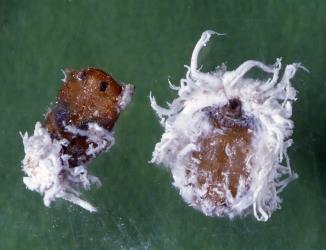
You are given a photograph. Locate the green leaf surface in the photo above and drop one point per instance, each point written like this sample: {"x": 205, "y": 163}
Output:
{"x": 146, "y": 43}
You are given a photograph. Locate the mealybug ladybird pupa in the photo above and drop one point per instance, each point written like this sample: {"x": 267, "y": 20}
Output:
{"x": 226, "y": 137}
{"x": 76, "y": 130}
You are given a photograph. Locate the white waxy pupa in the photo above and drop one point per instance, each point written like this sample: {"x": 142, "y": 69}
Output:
{"x": 226, "y": 137}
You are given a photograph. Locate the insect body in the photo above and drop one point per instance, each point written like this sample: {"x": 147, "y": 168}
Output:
{"x": 76, "y": 130}
{"x": 226, "y": 137}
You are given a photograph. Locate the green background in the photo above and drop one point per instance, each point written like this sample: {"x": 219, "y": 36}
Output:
{"x": 146, "y": 43}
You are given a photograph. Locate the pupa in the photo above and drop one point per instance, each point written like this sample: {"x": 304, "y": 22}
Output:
{"x": 226, "y": 137}
{"x": 76, "y": 130}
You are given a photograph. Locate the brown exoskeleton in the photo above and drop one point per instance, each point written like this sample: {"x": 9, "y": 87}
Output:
{"x": 87, "y": 96}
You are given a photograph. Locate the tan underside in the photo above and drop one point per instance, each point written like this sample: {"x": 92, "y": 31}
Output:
{"x": 222, "y": 155}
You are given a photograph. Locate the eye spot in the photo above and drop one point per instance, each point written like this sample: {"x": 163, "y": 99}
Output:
{"x": 103, "y": 86}
{"x": 81, "y": 75}
{"x": 234, "y": 103}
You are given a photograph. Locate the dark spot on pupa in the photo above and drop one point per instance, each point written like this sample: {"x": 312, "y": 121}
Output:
{"x": 82, "y": 75}
{"x": 229, "y": 115}
{"x": 103, "y": 86}
{"x": 234, "y": 103}
{"x": 61, "y": 114}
